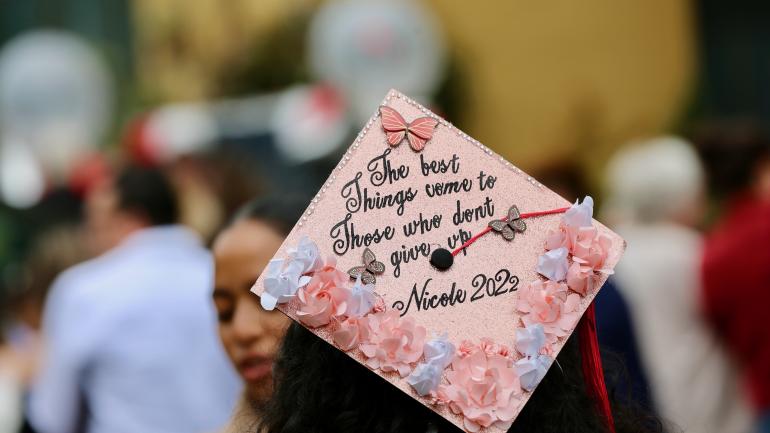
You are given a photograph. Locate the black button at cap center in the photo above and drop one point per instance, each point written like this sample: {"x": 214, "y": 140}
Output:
{"x": 442, "y": 259}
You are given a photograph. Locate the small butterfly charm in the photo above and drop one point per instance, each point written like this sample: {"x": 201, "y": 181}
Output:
{"x": 366, "y": 272}
{"x": 509, "y": 228}
{"x": 419, "y": 132}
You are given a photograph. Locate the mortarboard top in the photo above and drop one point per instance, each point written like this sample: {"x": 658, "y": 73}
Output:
{"x": 375, "y": 268}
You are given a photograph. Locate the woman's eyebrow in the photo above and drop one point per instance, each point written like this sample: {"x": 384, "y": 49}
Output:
{"x": 221, "y": 293}
{"x": 249, "y": 285}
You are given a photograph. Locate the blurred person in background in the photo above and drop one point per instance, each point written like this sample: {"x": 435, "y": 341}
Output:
{"x": 54, "y": 250}
{"x": 251, "y": 335}
{"x": 130, "y": 339}
{"x": 736, "y": 262}
{"x": 11, "y": 389}
{"x": 654, "y": 200}
{"x": 46, "y": 239}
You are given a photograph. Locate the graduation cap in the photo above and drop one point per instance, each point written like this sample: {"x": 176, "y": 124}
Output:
{"x": 445, "y": 269}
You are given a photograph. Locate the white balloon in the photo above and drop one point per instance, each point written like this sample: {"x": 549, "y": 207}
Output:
{"x": 55, "y": 96}
{"x": 308, "y": 123}
{"x": 365, "y": 48}
{"x": 181, "y": 129}
{"x": 22, "y": 182}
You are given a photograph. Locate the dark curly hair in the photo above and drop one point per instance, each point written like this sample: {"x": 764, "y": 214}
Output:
{"x": 319, "y": 389}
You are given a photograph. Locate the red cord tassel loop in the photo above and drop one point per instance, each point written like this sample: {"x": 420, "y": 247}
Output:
{"x": 592, "y": 366}
{"x": 487, "y": 229}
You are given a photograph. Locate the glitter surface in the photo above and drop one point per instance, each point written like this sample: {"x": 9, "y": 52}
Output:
{"x": 491, "y": 317}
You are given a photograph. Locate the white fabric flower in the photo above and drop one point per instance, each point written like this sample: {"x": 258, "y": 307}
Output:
{"x": 282, "y": 280}
{"x": 439, "y": 351}
{"x": 438, "y": 354}
{"x": 532, "y": 370}
{"x": 553, "y": 264}
{"x": 532, "y": 367}
{"x": 361, "y": 300}
{"x": 306, "y": 253}
{"x": 580, "y": 214}
{"x": 425, "y": 378}
{"x": 530, "y": 339}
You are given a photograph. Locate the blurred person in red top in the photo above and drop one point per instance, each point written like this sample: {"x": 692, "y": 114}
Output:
{"x": 736, "y": 261}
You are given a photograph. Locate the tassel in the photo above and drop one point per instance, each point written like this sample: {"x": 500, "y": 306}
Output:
{"x": 592, "y": 366}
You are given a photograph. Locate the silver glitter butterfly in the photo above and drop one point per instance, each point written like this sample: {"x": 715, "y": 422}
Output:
{"x": 509, "y": 228}
{"x": 366, "y": 272}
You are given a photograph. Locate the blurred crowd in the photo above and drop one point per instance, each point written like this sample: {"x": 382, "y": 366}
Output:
{"x": 130, "y": 226}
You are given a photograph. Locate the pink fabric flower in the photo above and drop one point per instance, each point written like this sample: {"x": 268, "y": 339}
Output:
{"x": 351, "y": 333}
{"x": 542, "y": 299}
{"x": 437, "y": 398}
{"x": 581, "y": 278}
{"x": 324, "y": 297}
{"x": 482, "y": 387}
{"x": 569, "y": 237}
{"x": 577, "y": 218}
{"x": 556, "y": 239}
{"x": 491, "y": 348}
{"x": 585, "y": 244}
{"x": 551, "y": 305}
{"x": 466, "y": 348}
{"x": 583, "y": 241}
{"x": 379, "y": 305}
{"x": 593, "y": 252}
{"x": 504, "y": 350}
{"x": 394, "y": 344}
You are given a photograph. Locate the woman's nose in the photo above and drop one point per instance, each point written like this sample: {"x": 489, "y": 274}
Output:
{"x": 247, "y": 325}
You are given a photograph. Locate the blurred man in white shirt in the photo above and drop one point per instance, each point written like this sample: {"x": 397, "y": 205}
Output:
{"x": 654, "y": 201}
{"x": 131, "y": 343}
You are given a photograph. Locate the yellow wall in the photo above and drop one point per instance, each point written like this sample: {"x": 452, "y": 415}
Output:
{"x": 570, "y": 77}
{"x": 183, "y": 45}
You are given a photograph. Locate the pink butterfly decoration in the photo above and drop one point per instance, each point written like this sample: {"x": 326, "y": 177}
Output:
{"x": 418, "y": 132}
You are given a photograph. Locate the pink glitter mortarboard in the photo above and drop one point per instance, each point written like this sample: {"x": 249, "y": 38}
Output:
{"x": 412, "y": 183}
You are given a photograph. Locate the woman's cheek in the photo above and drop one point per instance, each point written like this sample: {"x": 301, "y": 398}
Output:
{"x": 225, "y": 335}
